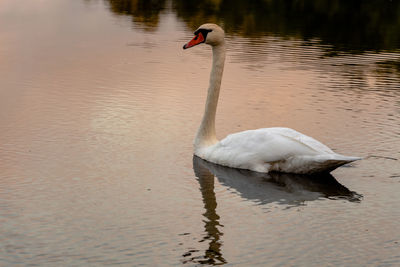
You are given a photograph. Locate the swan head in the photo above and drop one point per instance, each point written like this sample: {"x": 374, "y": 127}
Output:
{"x": 208, "y": 33}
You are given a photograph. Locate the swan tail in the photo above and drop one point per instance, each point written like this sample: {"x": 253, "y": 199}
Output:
{"x": 328, "y": 163}
{"x": 312, "y": 164}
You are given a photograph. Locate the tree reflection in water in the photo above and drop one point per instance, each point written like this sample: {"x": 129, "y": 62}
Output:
{"x": 144, "y": 12}
{"x": 262, "y": 188}
{"x": 354, "y": 26}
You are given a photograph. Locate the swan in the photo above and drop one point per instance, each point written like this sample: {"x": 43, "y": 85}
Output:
{"x": 261, "y": 150}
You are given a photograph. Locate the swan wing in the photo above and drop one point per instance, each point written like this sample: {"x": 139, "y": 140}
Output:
{"x": 273, "y": 144}
{"x": 301, "y": 139}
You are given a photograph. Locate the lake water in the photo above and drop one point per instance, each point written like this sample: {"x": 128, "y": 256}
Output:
{"x": 99, "y": 106}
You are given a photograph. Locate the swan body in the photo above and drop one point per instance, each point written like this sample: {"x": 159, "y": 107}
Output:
{"x": 261, "y": 150}
{"x": 273, "y": 149}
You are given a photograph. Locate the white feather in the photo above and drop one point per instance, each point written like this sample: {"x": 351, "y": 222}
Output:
{"x": 273, "y": 149}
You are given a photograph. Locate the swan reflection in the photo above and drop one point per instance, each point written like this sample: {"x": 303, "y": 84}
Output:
{"x": 212, "y": 255}
{"x": 281, "y": 188}
{"x": 261, "y": 188}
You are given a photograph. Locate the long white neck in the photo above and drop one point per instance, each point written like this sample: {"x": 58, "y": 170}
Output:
{"x": 206, "y": 134}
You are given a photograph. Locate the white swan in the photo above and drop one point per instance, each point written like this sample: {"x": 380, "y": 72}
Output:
{"x": 261, "y": 150}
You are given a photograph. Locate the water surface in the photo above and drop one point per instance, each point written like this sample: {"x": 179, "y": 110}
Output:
{"x": 99, "y": 105}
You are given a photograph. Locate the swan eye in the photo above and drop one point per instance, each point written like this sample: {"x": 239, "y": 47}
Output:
{"x": 204, "y": 31}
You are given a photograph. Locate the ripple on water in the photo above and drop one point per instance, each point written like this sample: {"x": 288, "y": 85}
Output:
{"x": 96, "y": 146}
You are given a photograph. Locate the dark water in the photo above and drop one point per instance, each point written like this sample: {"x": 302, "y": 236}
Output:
{"x": 99, "y": 105}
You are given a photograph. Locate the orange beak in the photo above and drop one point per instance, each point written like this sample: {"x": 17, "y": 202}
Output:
{"x": 197, "y": 39}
